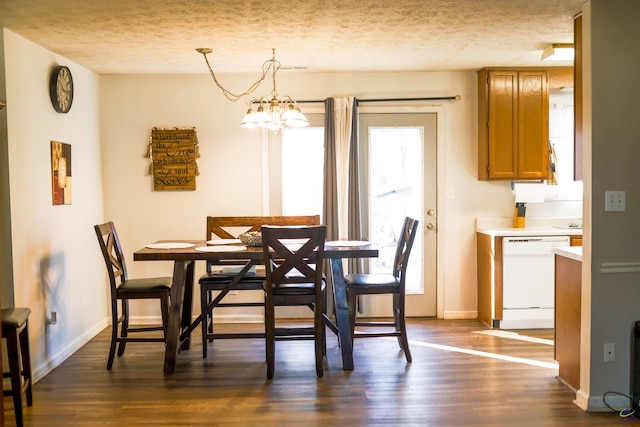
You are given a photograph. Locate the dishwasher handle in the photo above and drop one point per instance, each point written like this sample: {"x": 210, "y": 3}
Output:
{"x": 512, "y": 240}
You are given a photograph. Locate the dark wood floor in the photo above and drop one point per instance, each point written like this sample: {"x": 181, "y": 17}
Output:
{"x": 446, "y": 385}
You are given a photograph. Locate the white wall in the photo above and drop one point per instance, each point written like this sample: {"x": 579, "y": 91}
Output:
{"x": 55, "y": 254}
{"x": 6, "y": 260}
{"x": 610, "y": 300}
{"x": 230, "y": 174}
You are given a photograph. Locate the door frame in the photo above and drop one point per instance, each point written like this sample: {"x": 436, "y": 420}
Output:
{"x": 440, "y": 169}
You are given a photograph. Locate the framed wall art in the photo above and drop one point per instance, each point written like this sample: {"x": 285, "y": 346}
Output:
{"x": 61, "y": 173}
{"x": 173, "y": 154}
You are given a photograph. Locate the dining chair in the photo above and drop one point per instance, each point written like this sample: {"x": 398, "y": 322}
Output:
{"x": 394, "y": 284}
{"x": 15, "y": 329}
{"x": 123, "y": 289}
{"x": 293, "y": 258}
{"x": 218, "y": 275}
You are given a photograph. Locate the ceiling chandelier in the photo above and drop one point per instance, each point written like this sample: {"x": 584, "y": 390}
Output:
{"x": 272, "y": 114}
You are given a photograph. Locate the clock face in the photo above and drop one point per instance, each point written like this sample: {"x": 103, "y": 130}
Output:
{"x": 61, "y": 89}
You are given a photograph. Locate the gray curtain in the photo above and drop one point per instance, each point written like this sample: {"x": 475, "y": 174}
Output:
{"x": 330, "y": 191}
{"x": 354, "y": 232}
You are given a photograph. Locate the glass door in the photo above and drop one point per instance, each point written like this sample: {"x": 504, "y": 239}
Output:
{"x": 398, "y": 167}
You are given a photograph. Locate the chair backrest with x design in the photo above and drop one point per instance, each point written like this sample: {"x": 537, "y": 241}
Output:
{"x": 112, "y": 253}
{"x": 403, "y": 249}
{"x": 294, "y": 253}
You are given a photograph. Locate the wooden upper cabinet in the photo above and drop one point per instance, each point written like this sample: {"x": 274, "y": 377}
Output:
{"x": 513, "y": 124}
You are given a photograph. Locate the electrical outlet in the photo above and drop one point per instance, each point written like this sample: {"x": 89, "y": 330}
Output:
{"x": 614, "y": 201}
{"x": 53, "y": 319}
{"x": 610, "y": 352}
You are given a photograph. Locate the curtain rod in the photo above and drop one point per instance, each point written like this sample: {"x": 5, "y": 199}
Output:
{"x": 433, "y": 98}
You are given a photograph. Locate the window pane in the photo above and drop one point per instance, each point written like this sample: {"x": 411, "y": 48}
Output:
{"x": 302, "y": 170}
{"x": 396, "y": 191}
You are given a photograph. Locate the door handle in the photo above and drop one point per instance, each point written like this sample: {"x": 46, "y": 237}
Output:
{"x": 430, "y": 226}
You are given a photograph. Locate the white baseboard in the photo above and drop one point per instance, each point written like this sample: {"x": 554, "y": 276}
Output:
{"x": 52, "y": 362}
{"x": 242, "y": 318}
{"x": 596, "y": 403}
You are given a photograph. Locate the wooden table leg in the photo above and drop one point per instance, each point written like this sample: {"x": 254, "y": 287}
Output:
{"x": 187, "y": 306}
{"x": 175, "y": 316}
{"x": 342, "y": 313}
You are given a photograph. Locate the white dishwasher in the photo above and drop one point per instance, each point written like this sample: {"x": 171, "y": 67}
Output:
{"x": 528, "y": 267}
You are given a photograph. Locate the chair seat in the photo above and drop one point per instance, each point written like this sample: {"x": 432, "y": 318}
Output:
{"x": 15, "y": 317}
{"x": 372, "y": 281}
{"x": 151, "y": 285}
{"x": 217, "y": 282}
{"x": 295, "y": 289}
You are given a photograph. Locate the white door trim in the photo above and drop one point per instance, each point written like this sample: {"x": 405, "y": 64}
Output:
{"x": 439, "y": 110}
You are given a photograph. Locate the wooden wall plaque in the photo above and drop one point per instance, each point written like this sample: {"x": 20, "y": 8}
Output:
{"x": 173, "y": 154}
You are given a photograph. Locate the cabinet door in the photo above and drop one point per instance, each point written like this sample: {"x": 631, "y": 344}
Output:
{"x": 502, "y": 124}
{"x": 533, "y": 125}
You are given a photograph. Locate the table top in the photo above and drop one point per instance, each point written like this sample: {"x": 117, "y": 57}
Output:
{"x": 255, "y": 253}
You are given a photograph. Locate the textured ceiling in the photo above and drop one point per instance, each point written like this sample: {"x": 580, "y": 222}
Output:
{"x": 160, "y": 36}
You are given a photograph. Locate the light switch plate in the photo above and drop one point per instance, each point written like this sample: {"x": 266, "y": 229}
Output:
{"x": 614, "y": 201}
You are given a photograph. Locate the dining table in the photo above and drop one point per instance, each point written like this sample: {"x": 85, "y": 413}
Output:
{"x": 185, "y": 253}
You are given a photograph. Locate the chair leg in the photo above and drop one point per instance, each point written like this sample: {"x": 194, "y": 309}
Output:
{"x": 396, "y": 318}
{"x": 114, "y": 334}
{"x": 26, "y": 363}
{"x": 351, "y": 302}
{"x": 13, "y": 353}
{"x": 124, "y": 332}
{"x": 320, "y": 342}
{"x": 210, "y": 314}
{"x": 324, "y": 314}
{"x": 402, "y": 326}
{"x": 204, "y": 301}
{"x": 270, "y": 332}
{"x": 164, "y": 312}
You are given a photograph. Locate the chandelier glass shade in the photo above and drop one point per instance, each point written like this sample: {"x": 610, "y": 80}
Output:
{"x": 273, "y": 114}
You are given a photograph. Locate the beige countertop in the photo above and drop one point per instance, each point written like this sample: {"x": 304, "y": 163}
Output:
{"x": 571, "y": 252}
{"x": 503, "y": 227}
{"x": 530, "y": 231}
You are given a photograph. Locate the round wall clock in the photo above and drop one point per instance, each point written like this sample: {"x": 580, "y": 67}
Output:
{"x": 61, "y": 89}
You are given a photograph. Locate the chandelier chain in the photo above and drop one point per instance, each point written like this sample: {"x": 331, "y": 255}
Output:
{"x": 276, "y": 67}
{"x": 269, "y": 64}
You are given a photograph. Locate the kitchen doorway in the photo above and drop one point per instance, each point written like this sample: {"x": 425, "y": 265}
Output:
{"x": 398, "y": 176}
